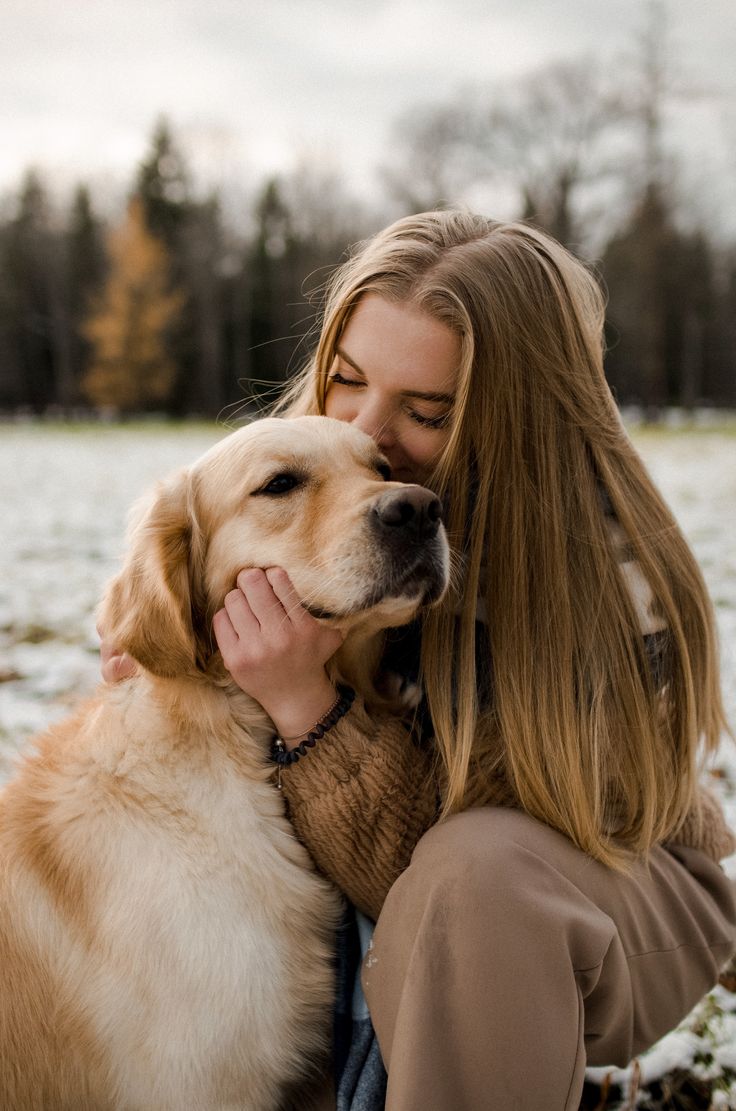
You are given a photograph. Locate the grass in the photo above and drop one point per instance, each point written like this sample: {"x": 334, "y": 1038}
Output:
{"x": 674, "y": 422}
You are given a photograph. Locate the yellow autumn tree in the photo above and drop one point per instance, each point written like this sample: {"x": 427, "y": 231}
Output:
{"x": 130, "y": 367}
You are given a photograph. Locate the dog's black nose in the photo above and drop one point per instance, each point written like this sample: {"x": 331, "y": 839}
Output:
{"x": 414, "y": 511}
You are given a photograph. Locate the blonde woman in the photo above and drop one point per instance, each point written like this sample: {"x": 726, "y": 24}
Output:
{"x": 533, "y": 844}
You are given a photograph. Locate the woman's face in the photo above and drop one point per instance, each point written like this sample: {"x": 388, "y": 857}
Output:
{"x": 394, "y": 376}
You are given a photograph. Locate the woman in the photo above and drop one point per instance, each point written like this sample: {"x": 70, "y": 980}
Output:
{"x": 571, "y": 684}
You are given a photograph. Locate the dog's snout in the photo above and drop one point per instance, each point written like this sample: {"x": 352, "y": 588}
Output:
{"x": 414, "y": 511}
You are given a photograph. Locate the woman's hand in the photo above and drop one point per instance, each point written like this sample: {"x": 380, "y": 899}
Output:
{"x": 115, "y": 665}
{"x": 275, "y": 651}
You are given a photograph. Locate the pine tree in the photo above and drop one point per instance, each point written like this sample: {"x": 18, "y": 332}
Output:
{"x": 275, "y": 278}
{"x": 191, "y": 233}
{"x": 83, "y": 267}
{"x": 85, "y": 250}
{"x": 130, "y": 368}
{"x": 201, "y": 384}
{"x": 29, "y": 287}
{"x": 163, "y": 187}
{"x": 662, "y": 310}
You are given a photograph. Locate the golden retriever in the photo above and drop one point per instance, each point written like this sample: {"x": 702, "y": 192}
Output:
{"x": 164, "y": 940}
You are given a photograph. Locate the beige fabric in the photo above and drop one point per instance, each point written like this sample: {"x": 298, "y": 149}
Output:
{"x": 505, "y": 960}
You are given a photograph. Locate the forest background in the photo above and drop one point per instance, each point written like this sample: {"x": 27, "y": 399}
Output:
{"x": 182, "y": 301}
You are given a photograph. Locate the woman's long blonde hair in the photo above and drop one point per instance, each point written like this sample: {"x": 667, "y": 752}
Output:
{"x": 585, "y": 735}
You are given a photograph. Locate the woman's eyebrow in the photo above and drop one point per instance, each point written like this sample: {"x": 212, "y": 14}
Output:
{"x": 424, "y": 395}
{"x": 445, "y": 398}
{"x": 346, "y": 359}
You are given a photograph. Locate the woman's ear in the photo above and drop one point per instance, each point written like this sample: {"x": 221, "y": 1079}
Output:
{"x": 148, "y": 608}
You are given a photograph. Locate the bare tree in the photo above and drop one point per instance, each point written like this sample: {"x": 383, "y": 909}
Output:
{"x": 556, "y": 137}
{"x": 545, "y": 139}
{"x": 433, "y": 157}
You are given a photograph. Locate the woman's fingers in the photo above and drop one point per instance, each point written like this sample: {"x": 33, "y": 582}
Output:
{"x": 291, "y": 603}
{"x": 114, "y": 664}
{"x": 264, "y": 633}
{"x": 266, "y": 637}
{"x": 263, "y": 603}
{"x": 250, "y": 627}
{"x": 225, "y": 634}
{"x": 119, "y": 666}
{"x": 239, "y": 610}
{"x": 304, "y": 625}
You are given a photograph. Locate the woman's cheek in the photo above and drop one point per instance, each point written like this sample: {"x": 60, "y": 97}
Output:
{"x": 425, "y": 451}
{"x": 337, "y": 408}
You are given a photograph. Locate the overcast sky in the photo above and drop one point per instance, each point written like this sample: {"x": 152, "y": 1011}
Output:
{"x": 254, "y": 86}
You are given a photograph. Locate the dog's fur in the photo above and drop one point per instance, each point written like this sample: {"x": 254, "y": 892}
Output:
{"x": 164, "y": 940}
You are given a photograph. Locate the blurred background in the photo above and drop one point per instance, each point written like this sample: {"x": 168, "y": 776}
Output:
{"x": 177, "y": 179}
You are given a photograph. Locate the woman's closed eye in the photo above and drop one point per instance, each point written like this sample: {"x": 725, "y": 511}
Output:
{"x": 429, "y": 422}
{"x": 338, "y": 379}
{"x": 426, "y": 420}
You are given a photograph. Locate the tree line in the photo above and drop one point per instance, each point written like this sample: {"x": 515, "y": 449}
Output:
{"x": 170, "y": 310}
{"x": 167, "y": 310}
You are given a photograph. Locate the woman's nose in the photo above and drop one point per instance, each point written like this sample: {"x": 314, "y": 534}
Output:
{"x": 376, "y": 422}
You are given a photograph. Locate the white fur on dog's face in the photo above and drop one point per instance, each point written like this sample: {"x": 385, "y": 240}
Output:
{"x": 299, "y": 494}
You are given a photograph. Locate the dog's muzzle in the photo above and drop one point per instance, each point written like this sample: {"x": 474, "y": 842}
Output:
{"x": 410, "y": 550}
{"x": 408, "y": 516}
{"x": 407, "y": 527}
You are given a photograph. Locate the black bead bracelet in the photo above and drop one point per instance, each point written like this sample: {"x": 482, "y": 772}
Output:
{"x": 281, "y": 755}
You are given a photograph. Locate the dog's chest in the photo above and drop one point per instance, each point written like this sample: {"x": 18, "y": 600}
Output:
{"x": 212, "y": 891}
{"x": 191, "y": 821}
{"x": 218, "y": 837}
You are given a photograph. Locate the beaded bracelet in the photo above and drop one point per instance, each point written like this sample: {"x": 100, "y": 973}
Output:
{"x": 304, "y": 732}
{"x": 282, "y": 757}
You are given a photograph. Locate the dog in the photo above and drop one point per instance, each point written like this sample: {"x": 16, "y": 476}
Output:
{"x": 165, "y": 942}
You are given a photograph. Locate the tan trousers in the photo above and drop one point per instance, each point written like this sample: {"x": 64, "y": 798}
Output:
{"x": 505, "y": 960}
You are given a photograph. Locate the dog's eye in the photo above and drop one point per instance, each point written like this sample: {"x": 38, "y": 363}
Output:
{"x": 384, "y": 470}
{"x": 280, "y": 484}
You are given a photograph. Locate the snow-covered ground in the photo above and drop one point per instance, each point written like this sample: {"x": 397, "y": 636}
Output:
{"x": 65, "y": 494}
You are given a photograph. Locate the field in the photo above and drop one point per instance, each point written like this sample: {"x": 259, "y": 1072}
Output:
{"x": 65, "y": 495}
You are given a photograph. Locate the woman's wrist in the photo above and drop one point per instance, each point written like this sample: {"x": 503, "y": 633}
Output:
{"x": 294, "y": 717}
{"x": 283, "y": 757}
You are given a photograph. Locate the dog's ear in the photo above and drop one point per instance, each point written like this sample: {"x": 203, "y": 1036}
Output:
{"x": 149, "y": 610}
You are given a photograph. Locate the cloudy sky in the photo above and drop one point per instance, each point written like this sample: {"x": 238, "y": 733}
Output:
{"x": 254, "y": 86}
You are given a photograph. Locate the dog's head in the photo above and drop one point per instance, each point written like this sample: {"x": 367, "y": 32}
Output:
{"x": 309, "y": 494}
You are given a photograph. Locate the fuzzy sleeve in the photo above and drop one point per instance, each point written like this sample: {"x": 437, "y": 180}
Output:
{"x": 705, "y": 828}
{"x": 360, "y": 800}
